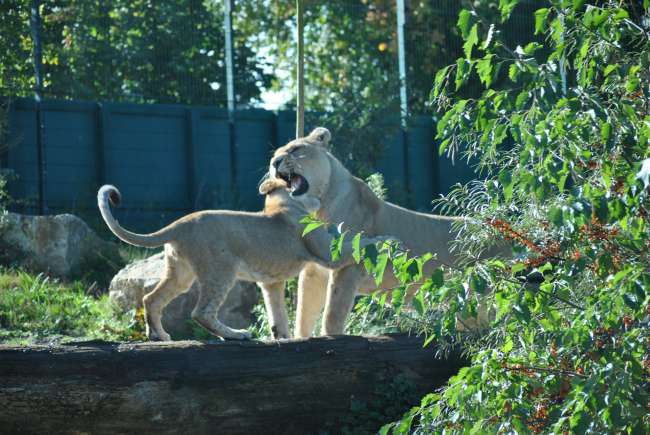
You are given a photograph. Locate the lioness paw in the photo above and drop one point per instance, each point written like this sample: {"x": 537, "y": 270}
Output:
{"x": 158, "y": 336}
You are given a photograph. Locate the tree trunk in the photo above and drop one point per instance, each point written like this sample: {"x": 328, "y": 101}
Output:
{"x": 299, "y": 386}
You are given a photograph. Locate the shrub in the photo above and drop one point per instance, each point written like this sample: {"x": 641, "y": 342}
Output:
{"x": 561, "y": 133}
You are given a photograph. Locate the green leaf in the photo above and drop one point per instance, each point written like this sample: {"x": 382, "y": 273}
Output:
{"x": 644, "y": 173}
{"x": 541, "y": 23}
{"x": 311, "y": 223}
{"x": 477, "y": 283}
{"x": 356, "y": 247}
{"x": 471, "y": 41}
{"x": 517, "y": 267}
{"x": 441, "y": 75}
{"x": 532, "y": 48}
{"x": 507, "y": 347}
{"x": 605, "y": 132}
{"x": 577, "y": 4}
{"x": 336, "y": 246}
{"x": 506, "y": 7}
{"x": 484, "y": 69}
{"x": 463, "y": 70}
{"x": 418, "y": 303}
{"x": 579, "y": 422}
{"x": 429, "y": 339}
{"x": 505, "y": 178}
{"x": 443, "y": 146}
{"x": 465, "y": 20}
{"x": 438, "y": 278}
{"x": 379, "y": 267}
{"x": 610, "y": 68}
{"x": 513, "y": 72}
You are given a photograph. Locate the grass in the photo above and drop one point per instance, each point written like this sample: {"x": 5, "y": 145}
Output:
{"x": 37, "y": 309}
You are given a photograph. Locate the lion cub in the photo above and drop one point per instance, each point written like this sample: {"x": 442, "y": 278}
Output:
{"x": 218, "y": 247}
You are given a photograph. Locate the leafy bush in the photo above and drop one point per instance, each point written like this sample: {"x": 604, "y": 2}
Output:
{"x": 376, "y": 183}
{"x": 561, "y": 133}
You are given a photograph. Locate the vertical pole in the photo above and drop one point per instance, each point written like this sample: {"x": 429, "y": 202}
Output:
{"x": 300, "y": 72}
{"x": 403, "y": 96}
{"x": 230, "y": 67}
{"x": 401, "y": 54}
{"x": 35, "y": 27}
{"x": 230, "y": 93}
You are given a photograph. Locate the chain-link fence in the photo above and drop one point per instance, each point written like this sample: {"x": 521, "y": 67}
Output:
{"x": 167, "y": 61}
{"x": 148, "y": 51}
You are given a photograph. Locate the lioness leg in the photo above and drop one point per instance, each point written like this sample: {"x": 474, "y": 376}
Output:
{"x": 177, "y": 279}
{"x": 312, "y": 290}
{"x": 214, "y": 287}
{"x": 341, "y": 291}
{"x": 276, "y": 309}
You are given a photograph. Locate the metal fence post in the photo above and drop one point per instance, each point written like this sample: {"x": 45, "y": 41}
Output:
{"x": 403, "y": 96}
{"x": 35, "y": 27}
{"x": 300, "y": 71}
{"x": 230, "y": 91}
{"x": 401, "y": 54}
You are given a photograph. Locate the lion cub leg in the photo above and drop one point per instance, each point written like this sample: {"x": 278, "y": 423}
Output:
{"x": 276, "y": 309}
{"x": 213, "y": 289}
{"x": 177, "y": 279}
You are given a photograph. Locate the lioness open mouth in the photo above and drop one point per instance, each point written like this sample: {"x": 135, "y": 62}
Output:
{"x": 298, "y": 184}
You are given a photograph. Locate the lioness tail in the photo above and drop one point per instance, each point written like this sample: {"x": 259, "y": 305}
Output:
{"x": 108, "y": 193}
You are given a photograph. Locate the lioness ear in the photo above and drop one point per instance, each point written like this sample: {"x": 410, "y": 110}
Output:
{"x": 320, "y": 136}
{"x": 270, "y": 184}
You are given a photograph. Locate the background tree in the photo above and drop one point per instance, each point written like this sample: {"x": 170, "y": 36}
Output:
{"x": 140, "y": 51}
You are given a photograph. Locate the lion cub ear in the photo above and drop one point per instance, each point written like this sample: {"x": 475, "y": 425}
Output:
{"x": 271, "y": 184}
{"x": 320, "y": 136}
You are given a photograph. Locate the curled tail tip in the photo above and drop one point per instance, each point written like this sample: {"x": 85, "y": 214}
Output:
{"x": 113, "y": 194}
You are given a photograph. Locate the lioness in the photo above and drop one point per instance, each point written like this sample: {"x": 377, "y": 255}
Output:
{"x": 218, "y": 247}
{"x": 307, "y": 164}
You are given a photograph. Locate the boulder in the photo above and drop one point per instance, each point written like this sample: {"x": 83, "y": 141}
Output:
{"x": 140, "y": 277}
{"x": 60, "y": 245}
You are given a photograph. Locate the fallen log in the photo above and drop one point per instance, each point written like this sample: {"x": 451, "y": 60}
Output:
{"x": 296, "y": 386}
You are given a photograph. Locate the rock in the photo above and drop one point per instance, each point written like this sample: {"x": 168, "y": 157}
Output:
{"x": 60, "y": 245}
{"x": 140, "y": 277}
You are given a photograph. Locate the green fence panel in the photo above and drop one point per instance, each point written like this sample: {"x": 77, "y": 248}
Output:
{"x": 171, "y": 159}
{"x": 421, "y": 163}
{"x": 254, "y": 130}
{"x": 71, "y": 164}
{"x": 212, "y": 175}
{"x": 22, "y": 154}
{"x": 392, "y": 165}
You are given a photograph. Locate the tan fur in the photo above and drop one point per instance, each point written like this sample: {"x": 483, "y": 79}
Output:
{"x": 216, "y": 248}
{"x": 345, "y": 198}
